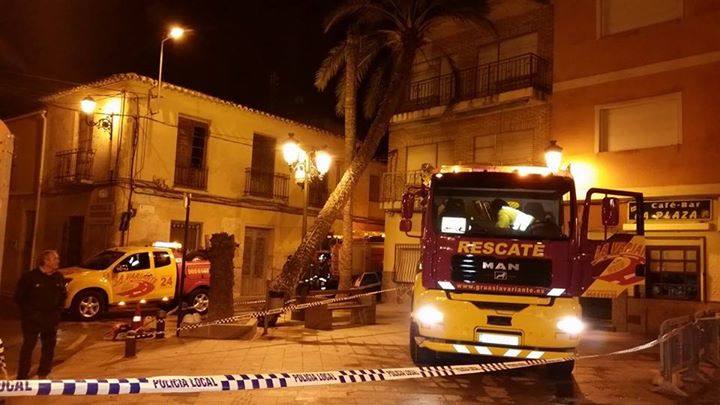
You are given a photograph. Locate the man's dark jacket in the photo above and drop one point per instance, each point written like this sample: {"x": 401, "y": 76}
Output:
{"x": 41, "y": 297}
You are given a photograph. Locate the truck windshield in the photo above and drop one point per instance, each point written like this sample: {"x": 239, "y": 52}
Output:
{"x": 517, "y": 213}
{"x": 102, "y": 260}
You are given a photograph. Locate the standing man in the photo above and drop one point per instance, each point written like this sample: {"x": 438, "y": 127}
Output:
{"x": 40, "y": 296}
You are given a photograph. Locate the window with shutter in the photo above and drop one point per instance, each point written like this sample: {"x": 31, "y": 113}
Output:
{"x": 190, "y": 153}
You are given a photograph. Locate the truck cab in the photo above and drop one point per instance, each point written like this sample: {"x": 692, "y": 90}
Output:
{"x": 503, "y": 264}
{"x": 128, "y": 275}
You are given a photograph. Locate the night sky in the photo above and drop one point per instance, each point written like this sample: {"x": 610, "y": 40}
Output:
{"x": 235, "y": 48}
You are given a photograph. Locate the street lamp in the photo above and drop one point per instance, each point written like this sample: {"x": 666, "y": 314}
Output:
{"x": 87, "y": 105}
{"x": 553, "y": 156}
{"x": 305, "y": 167}
{"x": 175, "y": 34}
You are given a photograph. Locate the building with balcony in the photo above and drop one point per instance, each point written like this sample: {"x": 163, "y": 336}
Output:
{"x": 478, "y": 94}
{"x": 633, "y": 104}
{"x": 227, "y": 156}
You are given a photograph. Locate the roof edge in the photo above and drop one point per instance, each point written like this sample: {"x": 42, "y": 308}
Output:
{"x": 121, "y": 77}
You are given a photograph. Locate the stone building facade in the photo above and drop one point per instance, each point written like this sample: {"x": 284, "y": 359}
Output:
{"x": 227, "y": 156}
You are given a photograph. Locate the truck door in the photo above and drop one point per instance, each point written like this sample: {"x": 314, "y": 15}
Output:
{"x": 134, "y": 279}
{"x": 611, "y": 258}
{"x": 166, "y": 270}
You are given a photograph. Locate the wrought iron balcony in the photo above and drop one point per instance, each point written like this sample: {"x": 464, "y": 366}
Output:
{"x": 527, "y": 70}
{"x": 74, "y": 166}
{"x": 266, "y": 185}
{"x": 191, "y": 177}
{"x": 394, "y": 185}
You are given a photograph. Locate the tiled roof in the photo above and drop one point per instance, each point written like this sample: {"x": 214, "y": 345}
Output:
{"x": 121, "y": 77}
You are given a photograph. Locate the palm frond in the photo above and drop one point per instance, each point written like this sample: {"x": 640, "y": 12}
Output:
{"x": 368, "y": 50}
{"x": 343, "y": 12}
{"x": 330, "y": 66}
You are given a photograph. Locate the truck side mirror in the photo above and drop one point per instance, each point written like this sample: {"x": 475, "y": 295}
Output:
{"x": 405, "y": 225}
{"x": 610, "y": 211}
{"x": 408, "y": 205}
{"x": 120, "y": 268}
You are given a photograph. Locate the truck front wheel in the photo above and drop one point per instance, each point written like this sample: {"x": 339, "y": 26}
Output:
{"x": 88, "y": 305}
{"x": 561, "y": 371}
{"x": 420, "y": 355}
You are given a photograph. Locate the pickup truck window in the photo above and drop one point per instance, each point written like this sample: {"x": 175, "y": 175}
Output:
{"x": 162, "y": 259}
{"x": 137, "y": 261}
{"x": 102, "y": 260}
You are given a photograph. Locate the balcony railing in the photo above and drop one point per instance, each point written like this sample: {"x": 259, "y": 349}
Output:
{"x": 394, "y": 184}
{"x": 191, "y": 177}
{"x": 266, "y": 185}
{"x": 527, "y": 70}
{"x": 74, "y": 166}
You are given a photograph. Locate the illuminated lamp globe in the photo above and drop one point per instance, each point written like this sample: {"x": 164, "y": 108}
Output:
{"x": 322, "y": 162}
{"x": 300, "y": 174}
{"x": 291, "y": 151}
{"x": 553, "y": 156}
{"x": 87, "y": 105}
{"x": 176, "y": 32}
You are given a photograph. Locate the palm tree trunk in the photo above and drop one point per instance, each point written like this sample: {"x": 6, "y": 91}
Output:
{"x": 346, "y": 264}
{"x": 331, "y": 211}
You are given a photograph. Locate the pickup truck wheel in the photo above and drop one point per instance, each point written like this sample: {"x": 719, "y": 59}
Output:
{"x": 88, "y": 306}
{"x": 199, "y": 300}
{"x": 420, "y": 355}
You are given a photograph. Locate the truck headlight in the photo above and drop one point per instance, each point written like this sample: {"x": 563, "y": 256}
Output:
{"x": 429, "y": 315}
{"x": 572, "y": 325}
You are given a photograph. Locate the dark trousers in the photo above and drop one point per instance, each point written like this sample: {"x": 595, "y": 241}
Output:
{"x": 48, "y": 338}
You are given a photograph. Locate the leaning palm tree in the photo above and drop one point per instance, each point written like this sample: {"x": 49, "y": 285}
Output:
{"x": 402, "y": 26}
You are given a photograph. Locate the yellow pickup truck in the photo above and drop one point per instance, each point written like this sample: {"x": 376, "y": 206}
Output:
{"x": 127, "y": 275}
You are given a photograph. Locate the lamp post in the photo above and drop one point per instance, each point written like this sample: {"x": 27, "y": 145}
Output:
{"x": 175, "y": 33}
{"x": 305, "y": 168}
{"x": 553, "y": 156}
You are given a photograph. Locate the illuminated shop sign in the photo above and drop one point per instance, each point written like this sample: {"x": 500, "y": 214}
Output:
{"x": 689, "y": 210}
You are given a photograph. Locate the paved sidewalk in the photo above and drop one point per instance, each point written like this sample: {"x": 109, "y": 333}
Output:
{"x": 291, "y": 348}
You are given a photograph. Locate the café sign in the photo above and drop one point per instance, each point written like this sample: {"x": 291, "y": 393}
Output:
{"x": 689, "y": 210}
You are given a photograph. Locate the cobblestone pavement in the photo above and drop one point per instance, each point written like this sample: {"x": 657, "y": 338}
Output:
{"x": 621, "y": 379}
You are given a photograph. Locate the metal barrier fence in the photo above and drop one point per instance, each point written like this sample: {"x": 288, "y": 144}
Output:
{"x": 686, "y": 343}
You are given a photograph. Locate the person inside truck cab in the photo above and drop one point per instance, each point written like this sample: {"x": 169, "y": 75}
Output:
{"x": 509, "y": 217}
{"x": 543, "y": 225}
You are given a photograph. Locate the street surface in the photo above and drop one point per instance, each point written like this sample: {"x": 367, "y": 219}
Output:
{"x": 82, "y": 353}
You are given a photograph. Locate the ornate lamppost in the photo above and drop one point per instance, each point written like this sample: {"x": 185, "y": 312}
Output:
{"x": 305, "y": 167}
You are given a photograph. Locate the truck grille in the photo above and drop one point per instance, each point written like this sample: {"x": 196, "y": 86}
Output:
{"x": 494, "y": 270}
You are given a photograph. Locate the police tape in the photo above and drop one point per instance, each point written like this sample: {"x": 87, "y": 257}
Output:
{"x": 277, "y": 311}
{"x": 244, "y": 382}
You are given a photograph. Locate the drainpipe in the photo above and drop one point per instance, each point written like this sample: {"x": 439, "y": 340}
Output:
{"x": 38, "y": 194}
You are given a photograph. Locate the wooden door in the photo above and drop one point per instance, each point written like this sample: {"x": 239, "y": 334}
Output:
{"x": 256, "y": 261}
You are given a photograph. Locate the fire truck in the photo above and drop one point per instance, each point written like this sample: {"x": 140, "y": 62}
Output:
{"x": 505, "y": 258}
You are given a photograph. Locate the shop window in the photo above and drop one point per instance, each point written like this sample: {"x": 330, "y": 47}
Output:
{"x": 623, "y": 15}
{"x": 407, "y": 257}
{"x": 673, "y": 272}
{"x": 640, "y": 124}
